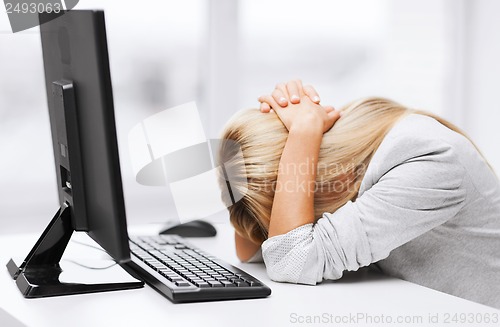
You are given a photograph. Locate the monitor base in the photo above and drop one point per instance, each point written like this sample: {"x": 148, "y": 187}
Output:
{"x": 44, "y": 282}
{"x": 38, "y": 275}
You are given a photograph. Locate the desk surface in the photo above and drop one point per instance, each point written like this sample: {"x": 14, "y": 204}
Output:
{"x": 364, "y": 298}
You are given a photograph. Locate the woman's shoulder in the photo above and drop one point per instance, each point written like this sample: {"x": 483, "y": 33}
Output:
{"x": 417, "y": 128}
{"x": 414, "y": 138}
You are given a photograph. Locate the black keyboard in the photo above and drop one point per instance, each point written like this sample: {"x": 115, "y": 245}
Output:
{"x": 184, "y": 273}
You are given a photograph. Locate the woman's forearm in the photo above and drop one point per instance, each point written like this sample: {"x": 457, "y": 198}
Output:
{"x": 293, "y": 204}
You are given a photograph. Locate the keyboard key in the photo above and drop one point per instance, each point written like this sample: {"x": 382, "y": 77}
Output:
{"x": 227, "y": 283}
{"x": 241, "y": 283}
{"x": 202, "y": 284}
{"x": 204, "y": 275}
{"x": 157, "y": 265}
{"x": 215, "y": 283}
{"x": 182, "y": 283}
{"x": 175, "y": 279}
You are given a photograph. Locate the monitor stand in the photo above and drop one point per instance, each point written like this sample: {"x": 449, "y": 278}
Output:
{"x": 38, "y": 275}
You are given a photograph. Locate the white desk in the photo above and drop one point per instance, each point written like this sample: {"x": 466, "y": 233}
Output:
{"x": 367, "y": 293}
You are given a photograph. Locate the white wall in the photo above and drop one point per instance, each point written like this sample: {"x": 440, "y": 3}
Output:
{"x": 481, "y": 85}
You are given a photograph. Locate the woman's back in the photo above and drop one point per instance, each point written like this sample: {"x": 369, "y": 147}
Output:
{"x": 461, "y": 256}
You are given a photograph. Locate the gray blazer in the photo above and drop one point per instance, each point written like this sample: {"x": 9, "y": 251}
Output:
{"x": 428, "y": 211}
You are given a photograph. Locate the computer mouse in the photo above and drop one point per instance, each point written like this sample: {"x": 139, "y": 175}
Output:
{"x": 193, "y": 228}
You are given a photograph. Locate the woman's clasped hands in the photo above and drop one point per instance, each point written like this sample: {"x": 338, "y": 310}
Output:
{"x": 298, "y": 107}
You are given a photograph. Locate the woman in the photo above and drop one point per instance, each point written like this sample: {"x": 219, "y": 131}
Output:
{"x": 374, "y": 182}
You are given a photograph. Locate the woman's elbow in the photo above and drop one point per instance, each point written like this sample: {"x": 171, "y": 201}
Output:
{"x": 279, "y": 276}
{"x": 245, "y": 249}
{"x": 244, "y": 257}
{"x": 289, "y": 274}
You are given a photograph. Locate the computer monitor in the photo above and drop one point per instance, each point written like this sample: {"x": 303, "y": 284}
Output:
{"x": 80, "y": 101}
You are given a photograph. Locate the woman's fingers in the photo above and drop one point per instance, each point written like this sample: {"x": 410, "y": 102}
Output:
{"x": 291, "y": 92}
{"x": 279, "y": 97}
{"x": 300, "y": 87}
{"x": 311, "y": 93}
{"x": 264, "y": 107}
{"x": 333, "y": 116}
{"x": 294, "y": 92}
{"x": 269, "y": 100}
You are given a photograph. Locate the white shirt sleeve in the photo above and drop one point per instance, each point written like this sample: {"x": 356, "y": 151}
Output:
{"x": 409, "y": 199}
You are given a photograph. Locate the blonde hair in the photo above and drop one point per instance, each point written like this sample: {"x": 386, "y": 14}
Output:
{"x": 345, "y": 153}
